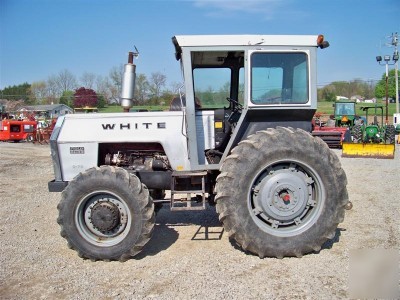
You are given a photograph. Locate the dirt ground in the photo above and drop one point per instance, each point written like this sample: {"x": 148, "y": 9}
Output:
{"x": 189, "y": 255}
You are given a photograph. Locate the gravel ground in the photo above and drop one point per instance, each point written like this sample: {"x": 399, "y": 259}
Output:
{"x": 189, "y": 256}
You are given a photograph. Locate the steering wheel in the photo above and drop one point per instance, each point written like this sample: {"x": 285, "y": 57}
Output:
{"x": 235, "y": 103}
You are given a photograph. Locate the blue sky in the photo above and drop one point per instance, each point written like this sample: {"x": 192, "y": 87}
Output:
{"x": 39, "y": 38}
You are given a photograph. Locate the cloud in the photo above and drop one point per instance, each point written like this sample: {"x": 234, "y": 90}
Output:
{"x": 223, "y": 8}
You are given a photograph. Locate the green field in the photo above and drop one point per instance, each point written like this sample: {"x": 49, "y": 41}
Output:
{"x": 117, "y": 108}
{"x": 327, "y": 108}
{"x": 323, "y": 107}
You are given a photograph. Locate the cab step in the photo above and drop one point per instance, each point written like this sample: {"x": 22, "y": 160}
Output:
{"x": 190, "y": 185}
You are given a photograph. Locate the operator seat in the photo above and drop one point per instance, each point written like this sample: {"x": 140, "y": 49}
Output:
{"x": 176, "y": 103}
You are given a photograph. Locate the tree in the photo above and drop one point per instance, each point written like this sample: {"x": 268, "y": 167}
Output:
{"x": 115, "y": 83}
{"x": 101, "y": 101}
{"x": 142, "y": 88}
{"x": 16, "y": 92}
{"x": 65, "y": 81}
{"x": 52, "y": 89}
{"x": 87, "y": 80}
{"x": 346, "y": 89}
{"x": 67, "y": 98}
{"x": 102, "y": 88}
{"x": 85, "y": 97}
{"x": 38, "y": 92}
{"x": 327, "y": 93}
{"x": 176, "y": 86}
{"x": 380, "y": 89}
{"x": 157, "y": 82}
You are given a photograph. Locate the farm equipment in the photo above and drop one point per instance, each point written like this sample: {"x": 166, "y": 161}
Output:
{"x": 278, "y": 190}
{"x": 44, "y": 131}
{"x": 375, "y": 140}
{"x": 337, "y": 130}
{"x": 17, "y": 130}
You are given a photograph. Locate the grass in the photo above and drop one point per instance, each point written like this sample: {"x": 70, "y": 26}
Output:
{"x": 324, "y": 107}
{"x": 327, "y": 108}
{"x": 117, "y": 108}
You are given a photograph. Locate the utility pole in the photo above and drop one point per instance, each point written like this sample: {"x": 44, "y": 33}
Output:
{"x": 395, "y": 41}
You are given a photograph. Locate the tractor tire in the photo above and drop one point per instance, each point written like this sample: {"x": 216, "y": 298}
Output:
{"x": 390, "y": 134}
{"x": 157, "y": 194}
{"x": 106, "y": 214}
{"x": 357, "y": 134}
{"x": 281, "y": 193}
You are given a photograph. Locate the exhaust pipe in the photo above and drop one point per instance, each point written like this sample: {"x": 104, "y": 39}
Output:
{"x": 128, "y": 83}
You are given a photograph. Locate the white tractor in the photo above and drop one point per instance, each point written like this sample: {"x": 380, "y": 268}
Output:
{"x": 239, "y": 137}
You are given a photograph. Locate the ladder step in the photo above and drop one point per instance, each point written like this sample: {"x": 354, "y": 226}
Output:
{"x": 185, "y": 208}
{"x": 187, "y": 192}
{"x": 184, "y": 174}
{"x": 181, "y": 184}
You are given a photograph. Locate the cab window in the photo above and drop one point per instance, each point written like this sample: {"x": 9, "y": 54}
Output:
{"x": 212, "y": 86}
{"x": 279, "y": 78}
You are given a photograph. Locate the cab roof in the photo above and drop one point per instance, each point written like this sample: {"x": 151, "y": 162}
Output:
{"x": 244, "y": 40}
{"x": 180, "y": 41}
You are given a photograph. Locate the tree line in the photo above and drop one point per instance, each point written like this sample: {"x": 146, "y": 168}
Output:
{"x": 366, "y": 89}
{"x": 90, "y": 89}
{"x": 95, "y": 90}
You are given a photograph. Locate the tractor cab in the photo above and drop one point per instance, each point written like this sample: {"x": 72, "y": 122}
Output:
{"x": 237, "y": 85}
{"x": 344, "y": 114}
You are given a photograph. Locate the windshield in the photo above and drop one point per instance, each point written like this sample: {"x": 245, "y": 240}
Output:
{"x": 344, "y": 109}
{"x": 279, "y": 78}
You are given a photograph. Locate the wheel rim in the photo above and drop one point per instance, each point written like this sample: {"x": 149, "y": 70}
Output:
{"x": 103, "y": 218}
{"x": 286, "y": 198}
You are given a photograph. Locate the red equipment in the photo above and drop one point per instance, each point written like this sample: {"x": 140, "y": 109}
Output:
{"x": 333, "y": 136}
{"x": 17, "y": 130}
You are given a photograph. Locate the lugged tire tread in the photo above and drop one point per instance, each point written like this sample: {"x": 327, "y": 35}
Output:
{"x": 238, "y": 161}
{"x": 135, "y": 186}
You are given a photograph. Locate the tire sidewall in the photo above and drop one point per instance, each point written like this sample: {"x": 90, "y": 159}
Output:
{"x": 72, "y": 198}
{"x": 314, "y": 154}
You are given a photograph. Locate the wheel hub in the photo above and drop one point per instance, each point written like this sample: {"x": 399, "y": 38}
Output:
{"x": 283, "y": 195}
{"x": 105, "y": 216}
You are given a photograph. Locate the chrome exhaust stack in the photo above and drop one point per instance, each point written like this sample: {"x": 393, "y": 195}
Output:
{"x": 128, "y": 82}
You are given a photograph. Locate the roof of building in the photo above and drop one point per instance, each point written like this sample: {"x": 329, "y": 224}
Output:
{"x": 45, "y": 107}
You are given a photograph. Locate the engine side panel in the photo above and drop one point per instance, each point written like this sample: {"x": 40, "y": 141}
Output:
{"x": 80, "y": 136}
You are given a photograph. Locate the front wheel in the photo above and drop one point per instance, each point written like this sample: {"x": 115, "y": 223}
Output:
{"x": 290, "y": 196}
{"x": 106, "y": 214}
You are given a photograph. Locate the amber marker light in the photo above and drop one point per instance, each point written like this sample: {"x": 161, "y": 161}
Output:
{"x": 320, "y": 39}
{"x": 321, "y": 42}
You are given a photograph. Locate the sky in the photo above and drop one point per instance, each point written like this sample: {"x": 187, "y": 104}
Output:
{"x": 40, "y": 38}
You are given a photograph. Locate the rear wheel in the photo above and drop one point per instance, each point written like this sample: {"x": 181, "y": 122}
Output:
{"x": 106, "y": 214}
{"x": 291, "y": 193}
{"x": 390, "y": 134}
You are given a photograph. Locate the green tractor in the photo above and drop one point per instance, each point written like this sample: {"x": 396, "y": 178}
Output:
{"x": 337, "y": 129}
{"x": 374, "y": 140}
{"x": 374, "y": 133}
{"x": 345, "y": 113}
